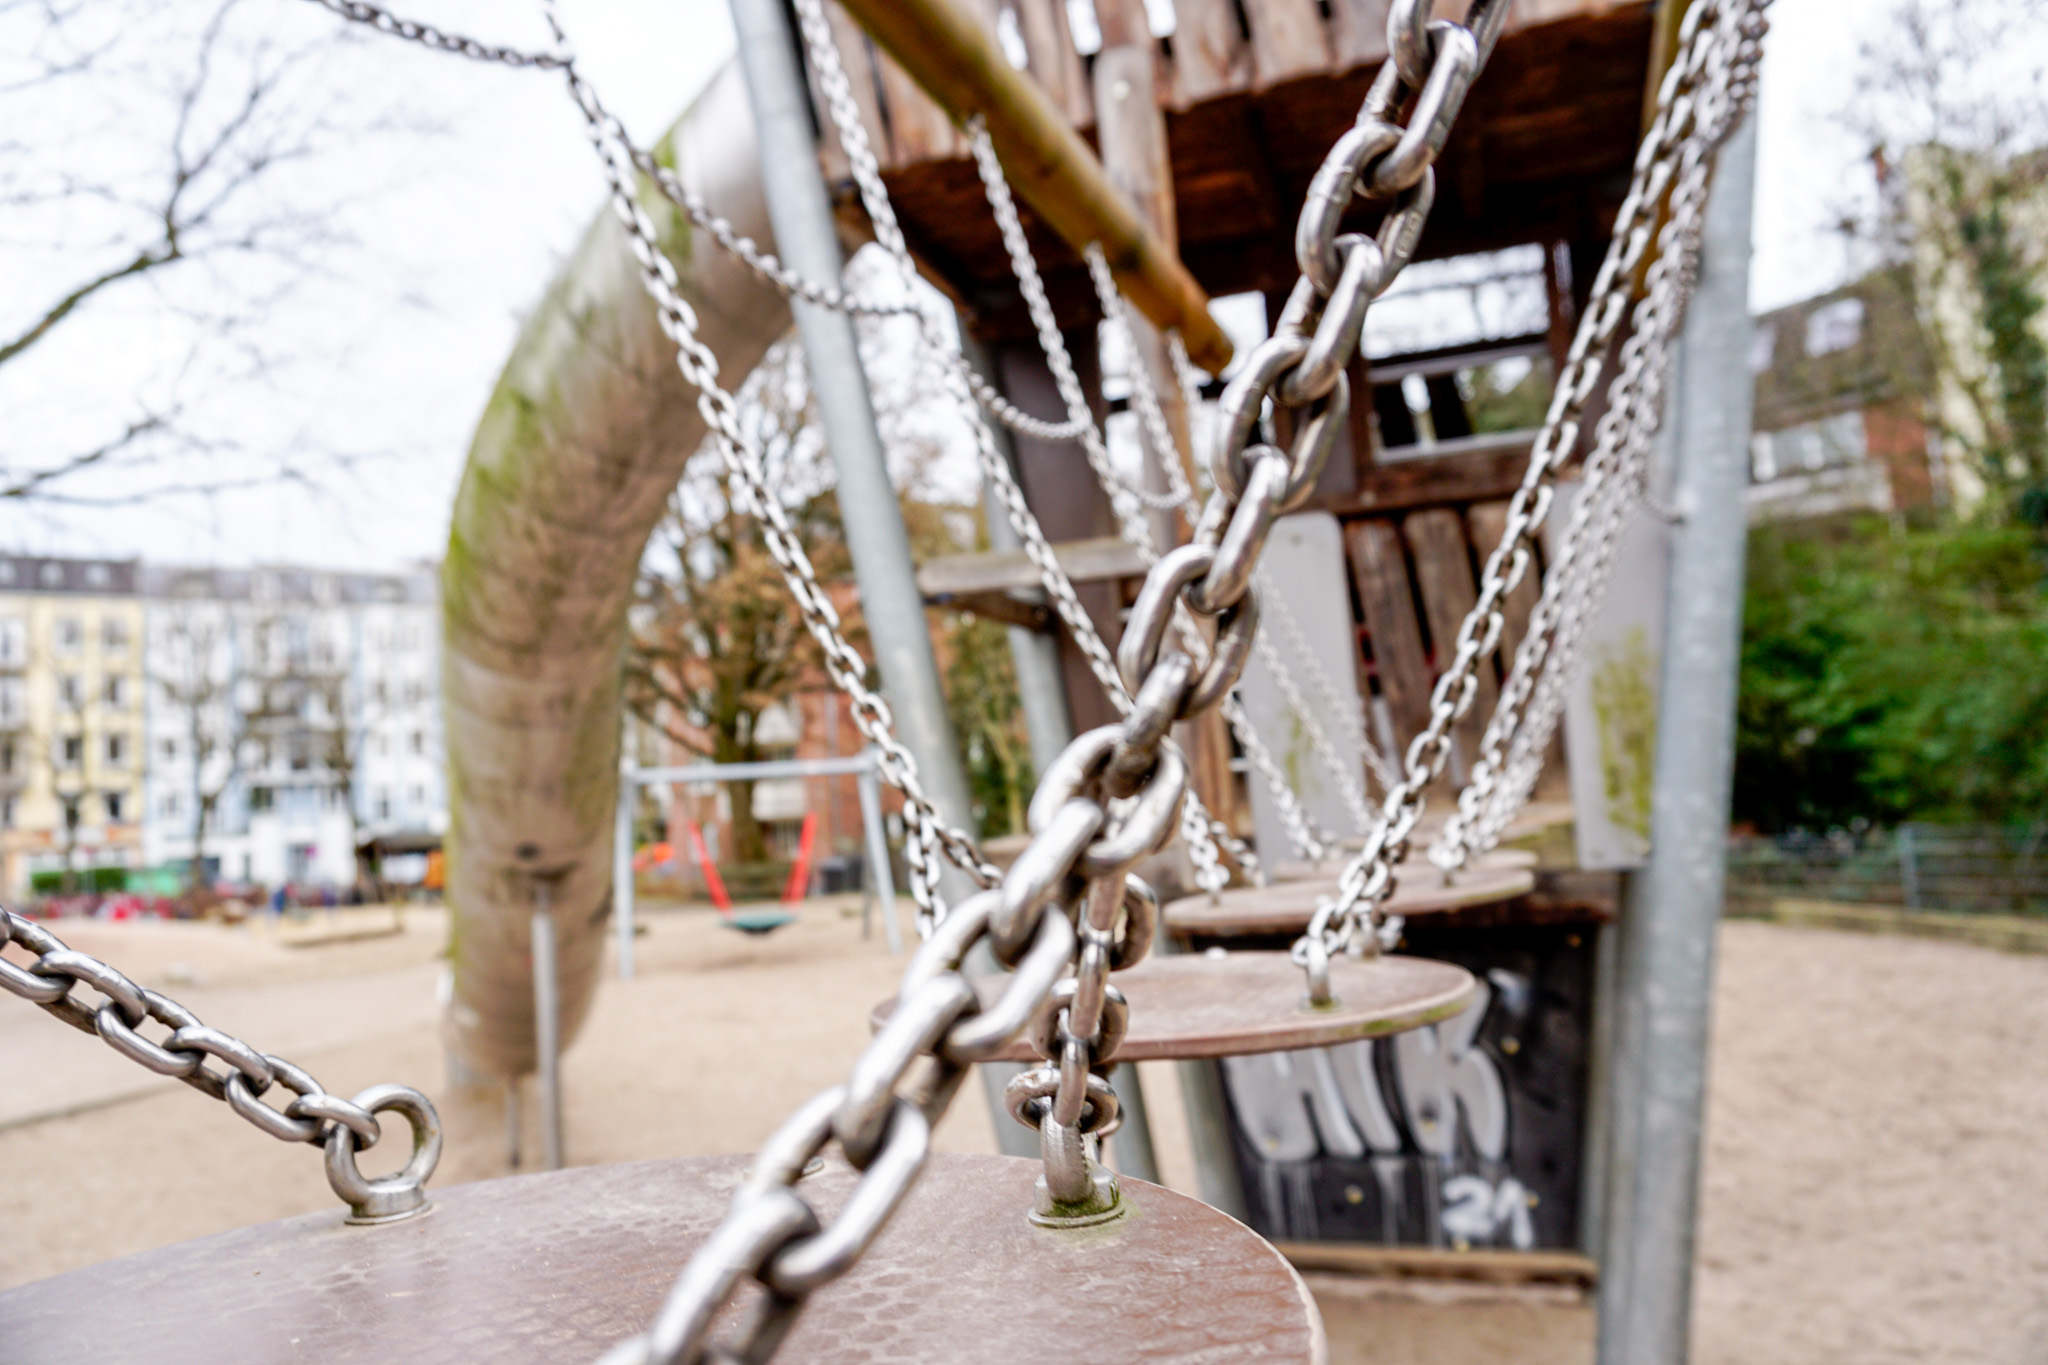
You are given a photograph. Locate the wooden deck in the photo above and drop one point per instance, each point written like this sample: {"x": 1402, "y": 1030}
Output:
{"x": 1541, "y": 152}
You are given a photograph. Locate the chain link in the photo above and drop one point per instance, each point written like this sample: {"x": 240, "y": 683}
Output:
{"x": 313, "y": 1115}
{"x": 1703, "y": 98}
{"x": 1719, "y": 40}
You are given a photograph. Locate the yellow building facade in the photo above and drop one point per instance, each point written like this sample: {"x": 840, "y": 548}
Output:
{"x": 71, "y": 720}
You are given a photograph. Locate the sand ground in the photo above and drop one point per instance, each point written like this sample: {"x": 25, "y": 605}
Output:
{"x": 1874, "y": 1139}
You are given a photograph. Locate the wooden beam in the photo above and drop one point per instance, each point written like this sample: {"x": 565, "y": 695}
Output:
{"x": 985, "y": 571}
{"x": 946, "y": 50}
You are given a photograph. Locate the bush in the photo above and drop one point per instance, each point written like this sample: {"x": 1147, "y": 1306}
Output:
{"x": 1893, "y": 675}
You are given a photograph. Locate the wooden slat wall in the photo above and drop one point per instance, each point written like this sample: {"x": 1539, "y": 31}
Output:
{"x": 1443, "y": 571}
{"x": 1212, "y": 56}
{"x": 1051, "y": 59}
{"x": 1379, "y": 568}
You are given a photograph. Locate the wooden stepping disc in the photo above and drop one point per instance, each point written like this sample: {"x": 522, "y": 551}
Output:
{"x": 560, "y": 1267}
{"x": 1286, "y": 907}
{"x": 1229, "y": 1005}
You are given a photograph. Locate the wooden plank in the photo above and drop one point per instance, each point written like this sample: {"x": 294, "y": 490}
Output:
{"x": 1051, "y": 59}
{"x": 1287, "y": 40}
{"x": 1443, "y": 571}
{"x": 1095, "y": 560}
{"x": 1484, "y": 1264}
{"x": 1379, "y": 569}
{"x": 1358, "y": 31}
{"x": 1489, "y": 522}
{"x": 1210, "y": 54}
{"x": 918, "y": 129}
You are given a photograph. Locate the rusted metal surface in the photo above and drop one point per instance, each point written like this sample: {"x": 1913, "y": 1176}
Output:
{"x": 1285, "y": 907}
{"x": 559, "y": 1267}
{"x": 1232, "y": 1005}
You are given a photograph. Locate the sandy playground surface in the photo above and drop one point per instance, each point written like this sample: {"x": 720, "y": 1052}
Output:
{"x": 1873, "y": 1189}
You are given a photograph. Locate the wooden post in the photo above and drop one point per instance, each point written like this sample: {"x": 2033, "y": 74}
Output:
{"x": 1132, "y": 133}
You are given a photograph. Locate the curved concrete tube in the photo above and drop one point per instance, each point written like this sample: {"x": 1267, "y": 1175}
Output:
{"x": 574, "y": 458}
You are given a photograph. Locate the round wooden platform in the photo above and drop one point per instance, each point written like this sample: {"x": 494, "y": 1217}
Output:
{"x": 1285, "y": 907}
{"x": 562, "y": 1266}
{"x": 1229, "y": 1005}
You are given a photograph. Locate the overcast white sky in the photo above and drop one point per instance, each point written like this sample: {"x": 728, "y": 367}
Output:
{"x": 459, "y": 230}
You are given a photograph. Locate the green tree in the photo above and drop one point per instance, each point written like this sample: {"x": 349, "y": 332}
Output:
{"x": 1893, "y": 675}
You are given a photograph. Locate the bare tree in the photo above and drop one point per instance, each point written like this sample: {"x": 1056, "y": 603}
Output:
{"x": 1953, "y": 107}
{"x": 153, "y": 161}
{"x": 198, "y": 672}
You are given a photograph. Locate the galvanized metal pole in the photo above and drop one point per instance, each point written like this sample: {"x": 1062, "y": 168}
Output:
{"x": 622, "y": 862}
{"x": 1672, "y": 908}
{"x": 547, "y": 1027}
{"x": 807, "y": 240}
{"x": 880, "y": 882}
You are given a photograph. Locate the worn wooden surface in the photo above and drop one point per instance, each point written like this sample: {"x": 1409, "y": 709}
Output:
{"x": 563, "y": 1266}
{"x": 1286, "y": 907}
{"x": 1379, "y": 570}
{"x": 1541, "y": 153}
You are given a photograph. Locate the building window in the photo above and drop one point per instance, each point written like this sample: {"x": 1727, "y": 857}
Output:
{"x": 171, "y": 804}
{"x": 74, "y": 750}
{"x": 6, "y": 756}
{"x": 117, "y": 750}
{"x": 13, "y": 642}
{"x": 262, "y": 798}
{"x": 13, "y": 701}
{"x": 71, "y": 689}
{"x": 419, "y": 741}
{"x": 170, "y": 748}
{"x": 383, "y": 803}
{"x": 70, "y": 812}
{"x": 1763, "y": 347}
{"x": 416, "y": 797}
{"x": 70, "y": 635}
{"x": 113, "y": 634}
{"x": 1834, "y": 327}
{"x": 115, "y": 801}
{"x": 6, "y": 812}
{"x": 116, "y": 691}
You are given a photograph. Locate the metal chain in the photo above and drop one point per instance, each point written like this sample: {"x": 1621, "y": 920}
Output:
{"x": 927, "y": 833}
{"x": 1202, "y": 832}
{"x": 313, "y": 1115}
{"x": 1712, "y": 40}
{"x": 1135, "y": 530}
{"x": 1180, "y": 496}
{"x": 1703, "y": 98}
{"x": 928, "y": 836}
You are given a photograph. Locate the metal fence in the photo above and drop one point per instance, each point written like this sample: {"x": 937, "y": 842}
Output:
{"x": 1962, "y": 868}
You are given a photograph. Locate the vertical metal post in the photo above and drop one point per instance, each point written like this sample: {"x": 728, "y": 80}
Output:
{"x": 1909, "y": 867}
{"x": 547, "y": 1030}
{"x": 879, "y": 879}
{"x": 622, "y": 862}
{"x": 1034, "y": 654}
{"x": 808, "y": 241}
{"x": 512, "y": 1122}
{"x": 1672, "y": 908}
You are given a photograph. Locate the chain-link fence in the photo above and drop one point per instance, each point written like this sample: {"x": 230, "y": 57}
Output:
{"x": 1972, "y": 869}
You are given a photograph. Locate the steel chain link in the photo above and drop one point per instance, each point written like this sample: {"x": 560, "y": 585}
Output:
{"x": 1714, "y": 37}
{"x": 313, "y": 1115}
{"x": 1704, "y": 97}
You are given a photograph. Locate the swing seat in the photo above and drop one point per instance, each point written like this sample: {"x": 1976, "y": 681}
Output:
{"x": 759, "y": 921}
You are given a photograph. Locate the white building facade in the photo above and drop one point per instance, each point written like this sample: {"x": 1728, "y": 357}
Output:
{"x": 292, "y": 716}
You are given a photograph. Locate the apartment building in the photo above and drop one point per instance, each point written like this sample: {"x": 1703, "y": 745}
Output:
{"x": 71, "y": 698}
{"x": 293, "y": 715}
